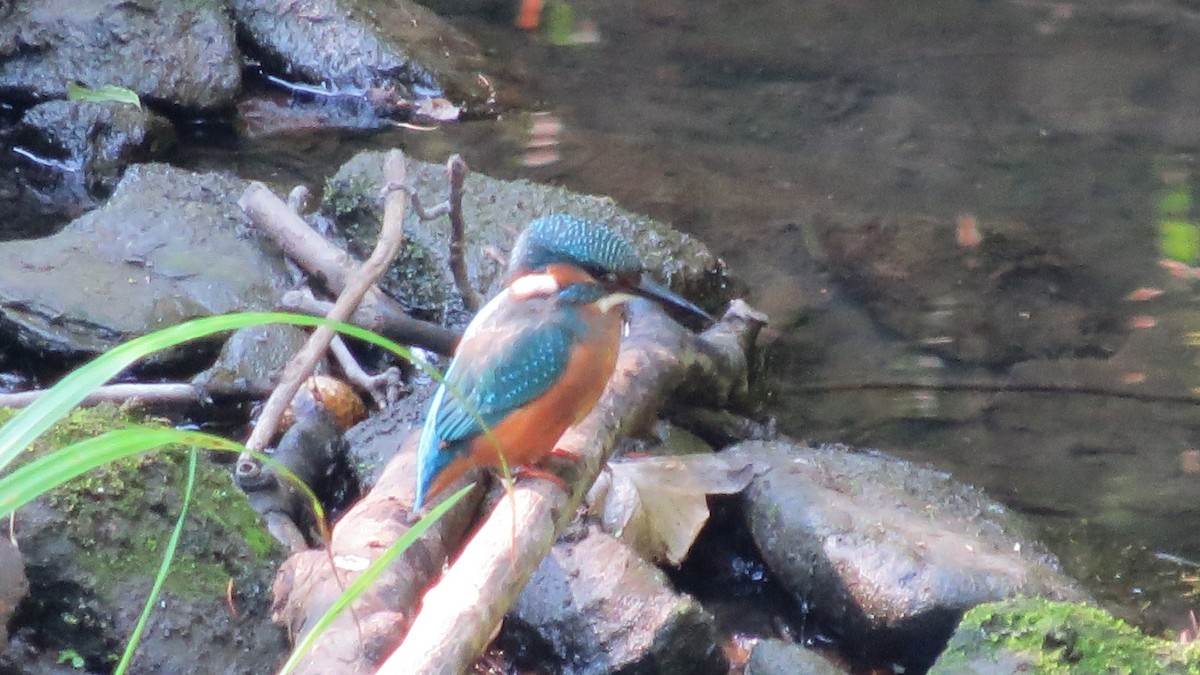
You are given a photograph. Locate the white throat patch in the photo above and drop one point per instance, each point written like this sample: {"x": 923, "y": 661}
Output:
{"x": 532, "y": 285}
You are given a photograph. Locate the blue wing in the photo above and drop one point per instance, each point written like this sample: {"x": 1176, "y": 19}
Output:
{"x": 510, "y": 355}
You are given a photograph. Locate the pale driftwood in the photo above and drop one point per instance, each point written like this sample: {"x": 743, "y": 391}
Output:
{"x": 357, "y": 285}
{"x": 461, "y": 612}
{"x": 332, "y": 265}
{"x": 160, "y": 393}
{"x": 383, "y": 387}
{"x": 306, "y": 584}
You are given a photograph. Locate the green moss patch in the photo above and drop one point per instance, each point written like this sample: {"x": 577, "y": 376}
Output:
{"x": 1052, "y": 638}
{"x": 119, "y": 517}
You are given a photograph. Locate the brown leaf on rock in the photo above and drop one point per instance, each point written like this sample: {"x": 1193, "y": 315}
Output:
{"x": 658, "y": 505}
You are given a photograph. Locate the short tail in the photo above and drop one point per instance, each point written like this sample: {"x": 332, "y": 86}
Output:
{"x": 436, "y": 466}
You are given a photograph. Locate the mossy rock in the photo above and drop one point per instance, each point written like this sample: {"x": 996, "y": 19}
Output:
{"x": 94, "y": 545}
{"x": 1032, "y": 635}
{"x": 494, "y": 213}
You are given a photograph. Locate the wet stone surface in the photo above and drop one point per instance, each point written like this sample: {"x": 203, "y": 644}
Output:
{"x": 598, "y": 608}
{"x": 181, "y": 54}
{"x": 168, "y": 246}
{"x": 886, "y": 553}
{"x": 67, "y": 156}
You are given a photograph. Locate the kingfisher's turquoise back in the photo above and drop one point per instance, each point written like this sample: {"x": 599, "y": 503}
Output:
{"x": 520, "y": 348}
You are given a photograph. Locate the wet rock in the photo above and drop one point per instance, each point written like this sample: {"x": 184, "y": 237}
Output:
{"x": 886, "y": 553}
{"x": 374, "y": 441}
{"x": 386, "y": 55}
{"x": 170, "y": 245}
{"x": 95, "y": 141}
{"x": 13, "y": 585}
{"x": 181, "y": 54}
{"x": 776, "y": 657}
{"x": 599, "y": 608}
{"x": 495, "y": 211}
{"x": 314, "y": 451}
{"x": 1010, "y": 296}
{"x": 65, "y": 157}
{"x": 92, "y": 549}
{"x": 1031, "y": 635}
{"x": 252, "y": 360}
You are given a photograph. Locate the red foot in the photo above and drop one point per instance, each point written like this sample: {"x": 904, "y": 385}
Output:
{"x": 559, "y": 453}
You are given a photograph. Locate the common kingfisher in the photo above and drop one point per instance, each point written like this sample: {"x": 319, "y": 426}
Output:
{"x": 536, "y": 358}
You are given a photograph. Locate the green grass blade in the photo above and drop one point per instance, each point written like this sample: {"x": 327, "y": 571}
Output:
{"x": 163, "y": 568}
{"x": 359, "y": 585}
{"x": 33, "y": 421}
{"x": 46, "y": 473}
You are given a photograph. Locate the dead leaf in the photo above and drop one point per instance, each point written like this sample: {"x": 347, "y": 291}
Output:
{"x": 658, "y": 505}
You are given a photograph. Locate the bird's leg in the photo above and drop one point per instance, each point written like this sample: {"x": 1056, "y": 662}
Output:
{"x": 566, "y": 455}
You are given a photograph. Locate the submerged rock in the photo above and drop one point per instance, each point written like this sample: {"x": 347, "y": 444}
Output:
{"x": 1031, "y": 635}
{"x": 78, "y": 150}
{"x": 885, "y": 553}
{"x": 170, "y": 245}
{"x": 388, "y": 55}
{"x": 990, "y": 294}
{"x": 599, "y": 608}
{"x": 179, "y": 53}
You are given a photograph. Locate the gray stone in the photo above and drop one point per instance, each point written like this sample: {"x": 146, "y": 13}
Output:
{"x": 170, "y": 245}
{"x": 887, "y": 553}
{"x": 67, "y": 156}
{"x": 395, "y": 48}
{"x": 99, "y": 139}
{"x": 13, "y": 585}
{"x": 776, "y": 657}
{"x": 602, "y": 609}
{"x": 181, "y": 53}
{"x": 252, "y": 360}
{"x": 92, "y": 547}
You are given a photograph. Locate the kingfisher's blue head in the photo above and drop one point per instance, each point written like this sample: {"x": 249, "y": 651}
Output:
{"x": 598, "y": 250}
{"x": 583, "y": 243}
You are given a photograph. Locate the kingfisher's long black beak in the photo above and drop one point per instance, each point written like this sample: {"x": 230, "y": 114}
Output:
{"x": 652, "y": 290}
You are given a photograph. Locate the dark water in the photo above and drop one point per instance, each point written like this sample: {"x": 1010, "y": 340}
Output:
{"x": 1066, "y": 129}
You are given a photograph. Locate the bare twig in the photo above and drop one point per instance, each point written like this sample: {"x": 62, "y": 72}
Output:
{"x": 333, "y": 265}
{"x": 460, "y": 612}
{"x": 169, "y": 392}
{"x": 298, "y": 198}
{"x": 457, "y": 168}
{"x": 384, "y": 387}
{"x": 356, "y": 287}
